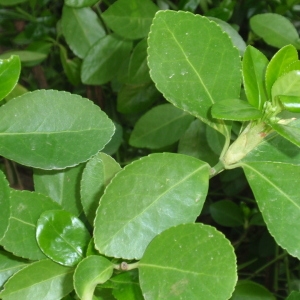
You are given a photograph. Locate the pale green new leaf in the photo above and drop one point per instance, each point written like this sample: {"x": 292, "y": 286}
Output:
{"x": 44, "y": 279}
{"x": 189, "y": 261}
{"x": 289, "y": 131}
{"x": 146, "y": 197}
{"x": 4, "y": 204}
{"x": 52, "y": 130}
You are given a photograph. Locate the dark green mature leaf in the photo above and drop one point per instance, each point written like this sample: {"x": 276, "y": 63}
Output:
{"x": 4, "y": 204}
{"x": 11, "y": 2}
{"x": 9, "y": 75}
{"x": 62, "y": 237}
{"x": 275, "y": 30}
{"x": 61, "y": 185}
{"x": 80, "y": 3}
{"x": 161, "y": 126}
{"x": 189, "y": 261}
{"x": 147, "y": 197}
{"x": 81, "y": 28}
{"x": 189, "y": 57}
{"x": 289, "y": 131}
{"x": 235, "y": 110}
{"x": 294, "y": 295}
{"x": 130, "y": 19}
{"x": 90, "y": 272}
{"x": 254, "y": 69}
{"x": 277, "y": 195}
{"x": 109, "y": 52}
{"x": 26, "y": 208}
{"x": 96, "y": 176}
{"x": 52, "y": 130}
{"x": 113, "y": 145}
{"x": 40, "y": 280}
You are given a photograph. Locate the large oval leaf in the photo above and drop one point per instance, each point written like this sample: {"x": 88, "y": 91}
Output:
{"x": 4, "y": 204}
{"x": 52, "y": 130}
{"x": 147, "y": 197}
{"x": 189, "y": 261}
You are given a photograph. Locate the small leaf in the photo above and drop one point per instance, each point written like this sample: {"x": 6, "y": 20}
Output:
{"x": 4, "y": 204}
{"x": 290, "y": 103}
{"x": 147, "y": 197}
{"x": 26, "y": 208}
{"x": 90, "y": 272}
{"x": 254, "y": 69}
{"x": 189, "y": 261}
{"x": 25, "y": 56}
{"x": 40, "y": 280}
{"x": 80, "y": 3}
{"x": 62, "y": 237}
{"x": 235, "y": 110}
{"x": 9, "y": 75}
{"x": 130, "y": 19}
{"x": 161, "y": 126}
{"x": 52, "y": 130}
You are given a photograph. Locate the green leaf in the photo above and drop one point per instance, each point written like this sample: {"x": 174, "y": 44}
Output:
{"x": 292, "y": 66}
{"x": 62, "y": 237}
{"x": 294, "y": 295}
{"x": 26, "y": 208}
{"x": 31, "y": 57}
{"x": 97, "y": 174}
{"x": 113, "y": 145}
{"x": 290, "y": 103}
{"x": 4, "y": 204}
{"x": 277, "y": 196}
{"x": 189, "y": 57}
{"x": 254, "y": 69}
{"x": 275, "y": 30}
{"x": 11, "y": 2}
{"x": 40, "y": 280}
{"x": 227, "y": 213}
{"x": 90, "y": 272}
{"x": 147, "y": 197}
{"x": 80, "y": 3}
{"x": 130, "y": 19}
{"x": 279, "y": 62}
{"x": 189, "y": 261}
{"x": 161, "y": 126}
{"x": 81, "y": 28}
{"x": 235, "y": 110}
{"x": 16, "y": 92}
{"x": 61, "y": 186}
{"x": 9, "y": 75}
{"x": 52, "y": 130}
{"x": 109, "y": 53}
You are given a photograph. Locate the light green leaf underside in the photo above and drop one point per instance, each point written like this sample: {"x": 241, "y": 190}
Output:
{"x": 147, "y": 197}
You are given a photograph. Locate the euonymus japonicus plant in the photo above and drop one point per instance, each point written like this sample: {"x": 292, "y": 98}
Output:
{"x": 141, "y": 238}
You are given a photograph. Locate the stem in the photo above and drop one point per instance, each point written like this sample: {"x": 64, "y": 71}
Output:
{"x": 218, "y": 168}
{"x": 124, "y": 266}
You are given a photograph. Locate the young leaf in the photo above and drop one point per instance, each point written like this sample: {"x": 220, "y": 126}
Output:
{"x": 31, "y": 58}
{"x": 4, "y": 204}
{"x": 235, "y": 110}
{"x": 44, "y": 279}
{"x": 62, "y": 237}
{"x": 292, "y": 67}
{"x": 96, "y": 176}
{"x": 52, "y": 130}
{"x": 109, "y": 52}
{"x": 161, "y": 126}
{"x": 147, "y": 197}
{"x": 90, "y": 272}
{"x": 254, "y": 69}
{"x": 9, "y": 75}
{"x": 26, "y": 208}
{"x": 290, "y": 103}
{"x": 277, "y": 195}
{"x": 189, "y": 57}
{"x": 189, "y": 261}
{"x": 80, "y": 3}
{"x": 275, "y": 30}
{"x": 130, "y": 19}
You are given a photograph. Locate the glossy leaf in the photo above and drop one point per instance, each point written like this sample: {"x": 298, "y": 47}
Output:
{"x": 90, "y": 272}
{"x": 290, "y": 103}
{"x": 4, "y": 204}
{"x": 9, "y": 75}
{"x": 44, "y": 279}
{"x": 107, "y": 66}
{"x": 26, "y": 207}
{"x": 61, "y": 186}
{"x": 254, "y": 69}
{"x": 52, "y": 130}
{"x": 189, "y": 57}
{"x": 81, "y": 28}
{"x": 62, "y": 237}
{"x": 130, "y": 19}
{"x": 189, "y": 261}
{"x": 97, "y": 174}
{"x": 147, "y": 197}
{"x": 161, "y": 126}
{"x": 275, "y": 30}
{"x": 278, "y": 200}
{"x": 235, "y": 110}
{"x": 292, "y": 66}
{"x": 278, "y": 64}
{"x": 80, "y": 3}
